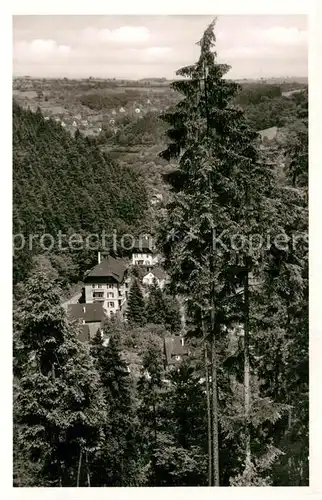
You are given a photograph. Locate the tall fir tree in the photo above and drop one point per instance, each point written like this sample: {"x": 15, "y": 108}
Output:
{"x": 151, "y": 389}
{"x": 222, "y": 195}
{"x": 172, "y": 313}
{"x": 163, "y": 309}
{"x": 283, "y": 321}
{"x": 119, "y": 462}
{"x": 135, "y": 313}
{"x": 182, "y": 452}
{"x": 58, "y": 408}
{"x": 155, "y": 308}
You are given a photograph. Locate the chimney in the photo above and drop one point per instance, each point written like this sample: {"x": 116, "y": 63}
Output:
{"x": 99, "y": 257}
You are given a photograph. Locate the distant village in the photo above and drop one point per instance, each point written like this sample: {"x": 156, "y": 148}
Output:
{"x": 73, "y": 115}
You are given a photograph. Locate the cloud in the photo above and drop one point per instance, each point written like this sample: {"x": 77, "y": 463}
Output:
{"x": 39, "y": 46}
{"x": 39, "y": 49}
{"x": 148, "y": 55}
{"x": 280, "y": 35}
{"x": 155, "y": 46}
{"x": 130, "y": 34}
{"x": 123, "y": 35}
{"x": 276, "y": 42}
{"x": 158, "y": 51}
{"x": 248, "y": 52}
{"x": 239, "y": 52}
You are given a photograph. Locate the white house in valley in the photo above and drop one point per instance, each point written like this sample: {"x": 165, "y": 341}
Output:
{"x": 155, "y": 275}
{"x": 268, "y": 134}
{"x": 108, "y": 282}
{"x": 143, "y": 253}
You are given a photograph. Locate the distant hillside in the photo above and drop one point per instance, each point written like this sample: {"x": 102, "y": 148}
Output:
{"x": 148, "y": 130}
{"x": 264, "y": 111}
{"x": 66, "y": 184}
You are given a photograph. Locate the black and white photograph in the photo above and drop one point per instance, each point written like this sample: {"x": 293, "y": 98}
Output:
{"x": 160, "y": 251}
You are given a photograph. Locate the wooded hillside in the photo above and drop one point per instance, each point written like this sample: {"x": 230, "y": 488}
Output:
{"x": 66, "y": 184}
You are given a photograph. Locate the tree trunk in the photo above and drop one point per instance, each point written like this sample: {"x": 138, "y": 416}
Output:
{"x": 79, "y": 466}
{"x": 87, "y": 470}
{"x": 208, "y": 405}
{"x": 155, "y": 423}
{"x": 155, "y": 437}
{"x": 246, "y": 373}
{"x": 215, "y": 431}
{"x": 289, "y": 460}
{"x": 215, "y": 441}
{"x": 214, "y": 411}
{"x": 60, "y": 474}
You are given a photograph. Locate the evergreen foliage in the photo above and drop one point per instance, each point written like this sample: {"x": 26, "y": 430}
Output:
{"x": 136, "y": 306}
{"x": 221, "y": 187}
{"x": 58, "y": 408}
{"x": 113, "y": 413}
{"x": 66, "y": 184}
{"x": 283, "y": 321}
{"x": 162, "y": 309}
{"x": 119, "y": 460}
{"x": 155, "y": 305}
{"x": 151, "y": 388}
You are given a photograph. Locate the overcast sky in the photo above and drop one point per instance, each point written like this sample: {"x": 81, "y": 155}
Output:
{"x": 156, "y": 46}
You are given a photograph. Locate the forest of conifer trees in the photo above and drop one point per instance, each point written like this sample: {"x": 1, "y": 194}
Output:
{"x": 233, "y": 237}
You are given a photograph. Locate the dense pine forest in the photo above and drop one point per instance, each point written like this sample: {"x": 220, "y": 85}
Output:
{"x": 233, "y": 238}
{"x": 66, "y": 184}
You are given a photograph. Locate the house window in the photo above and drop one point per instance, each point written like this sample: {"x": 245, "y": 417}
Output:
{"x": 98, "y": 294}
{"x": 109, "y": 286}
{"x": 111, "y": 304}
{"x": 110, "y": 295}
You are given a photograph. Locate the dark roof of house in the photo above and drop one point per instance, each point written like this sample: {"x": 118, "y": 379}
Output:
{"x": 158, "y": 273}
{"x": 173, "y": 347}
{"x": 109, "y": 267}
{"x": 146, "y": 244}
{"x": 90, "y": 313}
